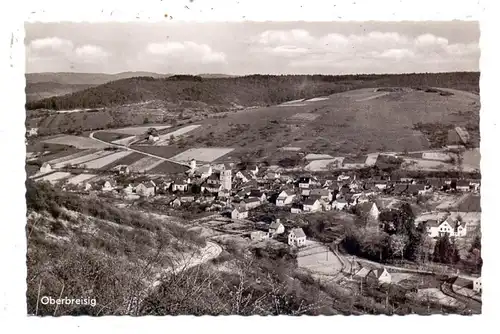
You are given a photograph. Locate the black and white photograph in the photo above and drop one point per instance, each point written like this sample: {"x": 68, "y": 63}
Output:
{"x": 253, "y": 168}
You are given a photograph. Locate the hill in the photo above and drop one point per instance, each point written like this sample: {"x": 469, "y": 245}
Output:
{"x": 75, "y": 78}
{"x": 246, "y": 91}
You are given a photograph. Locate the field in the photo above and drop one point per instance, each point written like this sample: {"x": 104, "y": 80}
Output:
{"x": 436, "y": 156}
{"x": 82, "y": 159}
{"x": 127, "y": 160}
{"x": 124, "y": 141}
{"x": 318, "y": 258}
{"x": 202, "y": 154}
{"x": 106, "y": 160}
{"x": 313, "y": 156}
{"x": 165, "y": 138}
{"x": 167, "y": 167}
{"x": 80, "y": 178}
{"x": 138, "y": 130}
{"x": 65, "y": 157}
{"x": 78, "y": 142}
{"x": 109, "y": 136}
{"x": 344, "y": 125}
{"x": 161, "y": 151}
{"x": 54, "y": 177}
{"x": 145, "y": 164}
{"x": 304, "y": 117}
{"x": 323, "y": 164}
{"x": 472, "y": 159}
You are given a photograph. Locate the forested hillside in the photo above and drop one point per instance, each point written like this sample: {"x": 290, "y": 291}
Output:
{"x": 246, "y": 91}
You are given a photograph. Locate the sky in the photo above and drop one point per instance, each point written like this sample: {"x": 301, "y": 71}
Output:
{"x": 241, "y": 48}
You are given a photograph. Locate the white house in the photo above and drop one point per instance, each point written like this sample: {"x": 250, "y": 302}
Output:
{"x": 382, "y": 275}
{"x": 343, "y": 177}
{"x": 32, "y": 132}
{"x": 448, "y": 227}
{"x": 259, "y": 235}
{"x": 285, "y": 197}
{"x": 146, "y": 189}
{"x": 305, "y": 182}
{"x": 204, "y": 171}
{"x": 179, "y": 185}
{"x": 312, "y": 205}
{"x": 296, "y": 208}
{"x": 46, "y": 168}
{"x": 463, "y": 185}
{"x": 239, "y": 212}
{"x": 339, "y": 204}
{"x": 244, "y": 176}
{"x": 297, "y": 237}
{"x": 250, "y": 203}
{"x": 153, "y": 138}
{"x": 478, "y": 287}
{"x": 369, "y": 211}
{"x": 258, "y": 194}
{"x": 108, "y": 185}
{"x": 276, "y": 228}
{"x": 272, "y": 175}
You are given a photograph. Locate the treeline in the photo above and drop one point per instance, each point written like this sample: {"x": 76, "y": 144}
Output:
{"x": 247, "y": 90}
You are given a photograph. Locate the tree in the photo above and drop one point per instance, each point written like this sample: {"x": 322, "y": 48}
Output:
{"x": 445, "y": 251}
{"x": 398, "y": 243}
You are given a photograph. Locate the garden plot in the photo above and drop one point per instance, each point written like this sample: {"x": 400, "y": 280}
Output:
{"x": 80, "y": 178}
{"x": 324, "y": 164}
{"x": 202, "y": 154}
{"x": 440, "y": 156}
{"x": 54, "y": 177}
{"x": 82, "y": 159}
{"x": 124, "y": 141}
{"x": 290, "y": 148}
{"x": 106, "y": 160}
{"x": 308, "y": 117}
{"x": 419, "y": 164}
{"x": 139, "y": 130}
{"x": 145, "y": 164}
{"x": 314, "y": 156}
{"x": 371, "y": 160}
{"x": 179, "y": 132}
{"x": 318, "y": 258}
{"x": 71, "y": 157}
{"x": 78, "y": 142}
{"x": 316, "y": 99}
{"x": 438, "y": 296}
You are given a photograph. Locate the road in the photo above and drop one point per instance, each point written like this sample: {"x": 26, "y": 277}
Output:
{"x": 472, "y": 306}
{"x": 91, "y": 136}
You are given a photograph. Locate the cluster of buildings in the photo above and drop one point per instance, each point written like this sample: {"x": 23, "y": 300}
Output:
{"x": 295, "y": 237}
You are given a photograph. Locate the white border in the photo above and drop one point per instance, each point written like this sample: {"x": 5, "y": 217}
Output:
{"x": 12, "y": 205}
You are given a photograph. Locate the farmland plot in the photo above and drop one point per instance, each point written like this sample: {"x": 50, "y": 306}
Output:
{"x": 316, "y": 99}
{"x": 54, "y": 177}
{"x": 70, "y": 157}
{"x": 371, "y": 160}
{"x": 124, "y": 141}
{"x": 139, "y": 130}
{"x": 145, "y": 164}
{"x": 106, "y": 160}
{"x": 202, "y": 154}
{"x": 80, "y": 178}
{"x": 314, "y": 156}
{"x": 324, "y": 164}
{"x": 291, "y": 102}
{"x": 82, "y": 159}
{"x": 76, "y": 141}
{"x": 179, "y": 132}
{"x": 304, "y": 117}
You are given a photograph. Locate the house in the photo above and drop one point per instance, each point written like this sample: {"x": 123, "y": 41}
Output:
{"x": 339, "y": 204}
{"x": 123, "y": 170}
{"x": 322, "y": 193}
{"x": 250, "y": 203}
{"x": 450, "y": 227}
{"x": 475, "y": 184}
{"x": 255, "y": 193}
{"x": 239, "y": 212}
{"x": 400, "y": 189}
{"x": 212, "y": 187}
{"x": 297, "y": 237}
{"x": 463, "y": 185}
{"x": 312, "y": 205}
{"x": 146, "y": 189}
{"x": 108, "y": 185}
{"x": 187, "y": 199}
{"x": 416, "y": 189}
{"x": 305, "y": 193}
{"x": 259, "y": 235}
{"x": 130, "y": 188}
{"x": 276, "y": 228}
{"x": 46, "y": 168}
{"x": 272, "y": 175}
{"x": 244, "y": 176}
{"x": 362, "y": 273}
{"x": 436, "y": 184}
{"x": 343, "y": 177}
{"x": 31, "y": 132}
{"x": 179, "y": 185}
{"x": 204, "y": 172}
{"x": 296, "y": 208}
{"x": 305, "y": 182}
{"x": 381, "y": 185}
{"x": 458, "y": 136}
{"x": 176, "y": 202}
{"x": 382, "y": 275}
{"x": 477, "y": 285}
{"x": 285, "y": 197}
{"x": 225, "y": 194}
{"x": 153, "y": 138}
